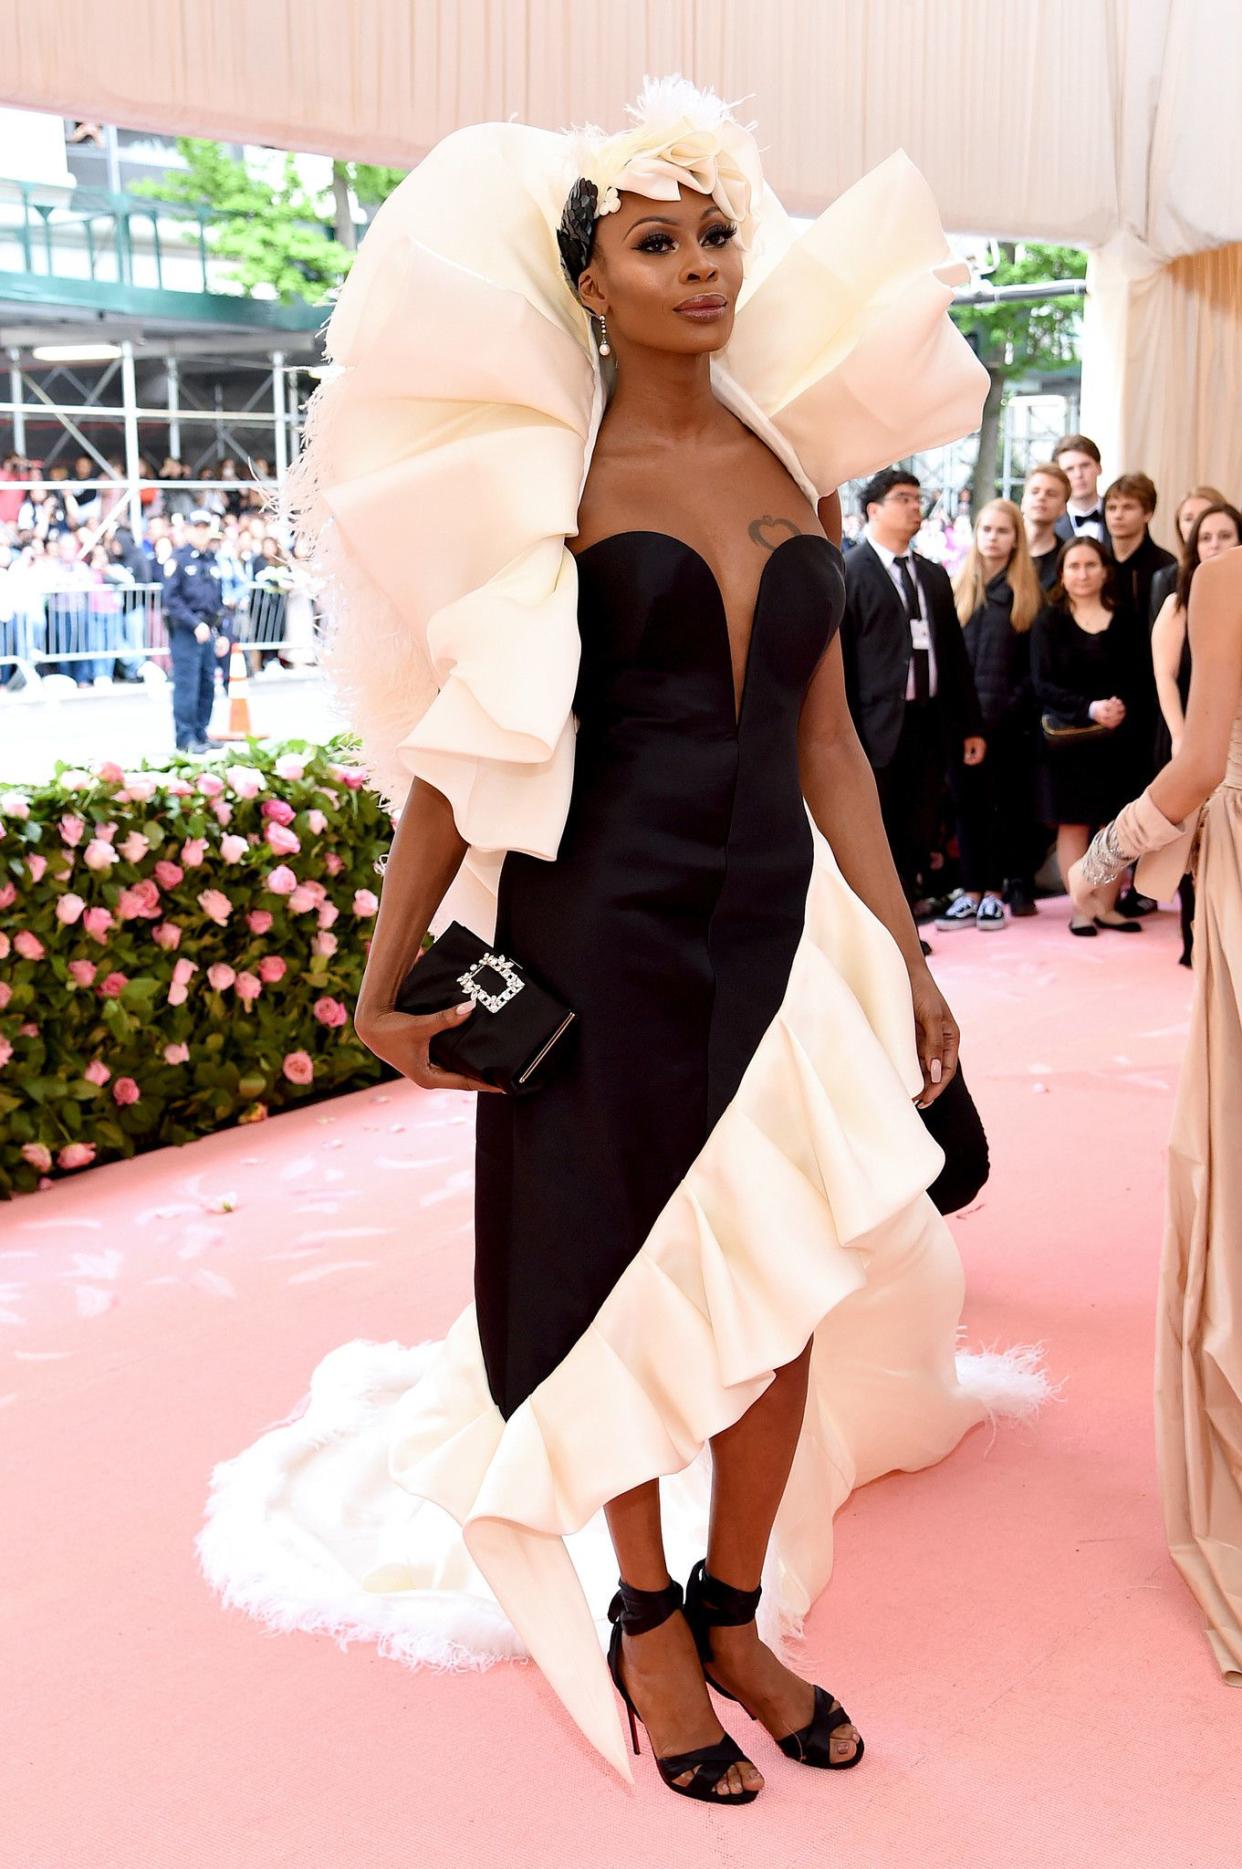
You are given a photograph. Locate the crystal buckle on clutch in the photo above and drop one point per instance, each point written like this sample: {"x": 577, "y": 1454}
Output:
{"x": 498, "y": 964}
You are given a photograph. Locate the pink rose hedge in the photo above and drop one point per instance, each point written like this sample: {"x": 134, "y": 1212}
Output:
{"x": 162, "y": 976}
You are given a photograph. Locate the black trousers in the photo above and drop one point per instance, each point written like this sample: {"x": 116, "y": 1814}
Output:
{"x": 998, "y": 831}
{"x": 911, "y": 789}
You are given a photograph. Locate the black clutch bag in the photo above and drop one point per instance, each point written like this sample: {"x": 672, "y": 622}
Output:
{"x": 515, "y": 1035}
{"x": 1058, "y": 731}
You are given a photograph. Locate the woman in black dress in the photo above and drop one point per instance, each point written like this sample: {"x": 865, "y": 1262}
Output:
{"x": 1086, "y": 663}
{"x": 709, "y": 1228}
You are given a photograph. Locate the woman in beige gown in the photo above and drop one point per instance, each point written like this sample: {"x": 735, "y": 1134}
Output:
{"x": 1199, "y": 1327}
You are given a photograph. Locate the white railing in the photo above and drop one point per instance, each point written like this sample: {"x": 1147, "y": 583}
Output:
{"x": 95, "y": 632}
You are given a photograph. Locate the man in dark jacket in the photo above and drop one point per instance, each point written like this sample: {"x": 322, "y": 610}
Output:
{"x": 192, "y": 607}
{"x": 907, "y": 677}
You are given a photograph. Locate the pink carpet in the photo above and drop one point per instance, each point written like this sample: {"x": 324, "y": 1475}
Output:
{"x": 1007, "y": 1629}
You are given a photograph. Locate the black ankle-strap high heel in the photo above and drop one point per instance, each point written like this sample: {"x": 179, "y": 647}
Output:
{"x": 634, "y": 1612}
{"x": 710, "y": 1605}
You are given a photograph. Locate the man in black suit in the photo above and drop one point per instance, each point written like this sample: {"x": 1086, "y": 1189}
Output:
{"x": 1078, "y": 457}
{"x": 907, "y": 676}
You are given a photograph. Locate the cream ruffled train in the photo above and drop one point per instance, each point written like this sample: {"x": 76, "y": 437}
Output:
{"x": 399, "y": 1507}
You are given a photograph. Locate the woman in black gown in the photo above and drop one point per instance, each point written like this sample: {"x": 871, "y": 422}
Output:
{"x": 603, "y": 645}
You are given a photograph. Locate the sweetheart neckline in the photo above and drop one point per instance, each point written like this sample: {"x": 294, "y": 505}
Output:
{"x": 671, "y": 538}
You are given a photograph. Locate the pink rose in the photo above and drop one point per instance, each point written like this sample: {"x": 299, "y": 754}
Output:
{"x": 352, "y": 776}
{"x": 4, "y": 945}
{"x": 97, "y": 922}
{"x": 329, "y": 1011}
{"x": 75, "y": 780}
{"x": 246, "y": 781}
{"x": 215, "y": 906}
{"x": 328, "y": 913}
{"x": 248, "y": 986}
{"x": 141, "y": 899}
{"x": 277, "y": 811}
{"x": 14, "y": 805}
{"x": 290, "y": 766}
{"x": 96, "y": 1072}
{"x": 223, "y": 811}
{"x": 177, "y": 993}
{"x": 298, "y": 1067}
{"x": 179, "y": 788}
{"x": 259, "y": 921}
{"x": 281, "y": 881}
{"x": 8, "y": 894}
{"x": 210, "y": 784}
{"x": 71, "y": 830}
{"x": 316, "y": 889}
{"x": 271, "y": 968}
{"x": 114, "y": 985}
{"x": 284, "y": 843}
{"x": 37, "y": 1155}
{"x": 301, "y": 900}
{"x": 76, "y": 1155}
{"x": 316, "y": 822}
{"x": 333, "y": 863}
{"x": 125, "y": 1090}
{"x": 193, "y": 850}
{"x": 29, "y": 1030}
{"x": 325, "y": 944}
{"x": 221, "y": 976}
{"x": 105, "y": 833}
{"x": 6, "y": 994}
{"x": 36, "y": 863}
{"x": 83, "y": 972}
{"x": 176, "y": 1054}
{"x": 233, "y": 849}
{"x": 184, "y": 971}
{"x": 167, "y": 874}
{"x": 167, "y": 936}
{"x": 110, "y": 773}
{"x": 140, "y": 785}
{"x": 6, "y": 1049}
{"x": 99, "y": 855}
{"x": 135, "y": 847}
{"x": 29, "y": 945}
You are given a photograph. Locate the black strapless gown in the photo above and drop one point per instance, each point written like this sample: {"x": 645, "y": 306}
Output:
{"x": 669, "y": 921}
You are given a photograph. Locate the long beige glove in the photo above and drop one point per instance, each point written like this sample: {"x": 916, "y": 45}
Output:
{"x": 1140, "y": 829}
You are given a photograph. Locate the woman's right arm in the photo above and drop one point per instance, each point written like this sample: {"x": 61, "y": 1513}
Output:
{"x": 426, "y": 854}
{"x": 1168, "y": 634}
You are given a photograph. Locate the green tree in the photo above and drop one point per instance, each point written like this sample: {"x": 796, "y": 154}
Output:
{"x": 280, "y": 234}
{"x": 1015, "y": 337}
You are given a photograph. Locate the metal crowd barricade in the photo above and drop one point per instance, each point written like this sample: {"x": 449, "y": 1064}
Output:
{"x": 92, "y": 631}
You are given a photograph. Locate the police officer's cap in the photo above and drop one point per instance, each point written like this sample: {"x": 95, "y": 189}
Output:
{"x": 200, "y": 518}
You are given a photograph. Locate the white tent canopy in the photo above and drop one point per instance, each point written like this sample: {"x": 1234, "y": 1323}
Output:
{"x": 1113, "y": 124}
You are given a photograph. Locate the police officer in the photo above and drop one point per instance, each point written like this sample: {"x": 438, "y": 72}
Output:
{"x": 193, "y": 605}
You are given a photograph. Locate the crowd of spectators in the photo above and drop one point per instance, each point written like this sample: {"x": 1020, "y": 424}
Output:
{"x": 1070, "y": 694}
{"x": 80, "y": 595}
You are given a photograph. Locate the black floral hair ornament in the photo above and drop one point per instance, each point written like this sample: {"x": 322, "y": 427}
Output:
{"x": 576, "y": 234}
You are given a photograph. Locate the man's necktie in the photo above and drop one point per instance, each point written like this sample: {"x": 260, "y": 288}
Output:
{"x": 920, "y": 658}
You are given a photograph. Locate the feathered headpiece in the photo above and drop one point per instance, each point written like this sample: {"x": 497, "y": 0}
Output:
{"x": 681, "y": 137}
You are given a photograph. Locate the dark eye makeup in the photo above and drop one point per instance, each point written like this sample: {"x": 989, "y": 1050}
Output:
{"x": 718, "y": 235}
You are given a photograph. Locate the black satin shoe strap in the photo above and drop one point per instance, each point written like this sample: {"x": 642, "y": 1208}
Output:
{"x": 811, "y": 1745}
{"x": 719, "y": 1605}
{"x": 639, "y": 1611}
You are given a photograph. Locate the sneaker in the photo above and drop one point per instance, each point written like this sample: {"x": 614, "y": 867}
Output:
{"x": 961, "y": 914}
{"x": 990, "y": 914}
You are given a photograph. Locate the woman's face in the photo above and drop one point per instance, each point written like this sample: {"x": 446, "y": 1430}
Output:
{"x": 665, "y": 274}
{"x": 1188, "y": 512}
{"x": 995, "y": 535}
{"x": 1082, "y": 573}
{"x": 1216, "y": 535}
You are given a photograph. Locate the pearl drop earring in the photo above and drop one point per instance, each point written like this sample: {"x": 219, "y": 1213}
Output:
{"x": 605, "y": 348}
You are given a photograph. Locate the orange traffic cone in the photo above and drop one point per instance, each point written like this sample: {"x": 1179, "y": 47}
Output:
{"x": 239, "y": 697}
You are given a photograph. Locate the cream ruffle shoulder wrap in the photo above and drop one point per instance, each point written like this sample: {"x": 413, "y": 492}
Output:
{"x": 444, "y": 467}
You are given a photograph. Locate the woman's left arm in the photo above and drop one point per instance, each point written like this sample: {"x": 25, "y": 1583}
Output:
{"x": 839, "y": 789}
{"x": 1214, "y": 624}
